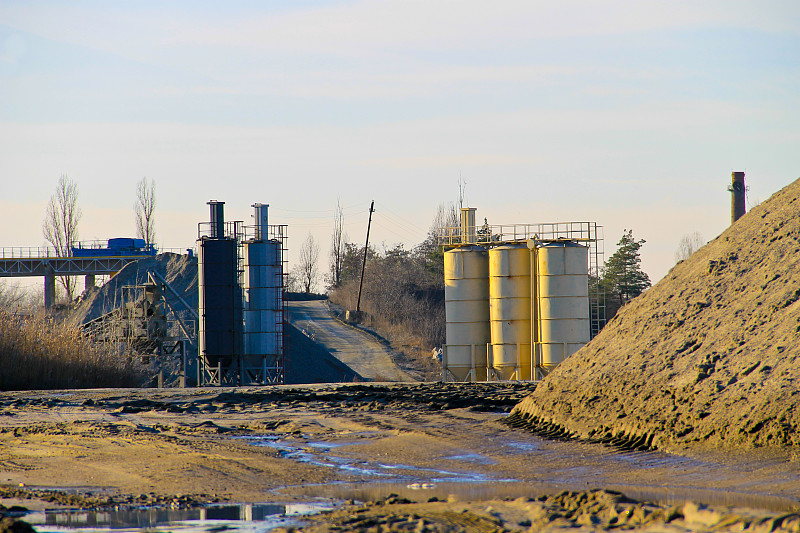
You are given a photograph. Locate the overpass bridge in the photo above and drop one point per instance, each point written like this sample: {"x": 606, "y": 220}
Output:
{"x": 45, "y": 262}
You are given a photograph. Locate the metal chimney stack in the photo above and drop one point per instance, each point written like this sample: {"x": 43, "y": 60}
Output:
{"x": 261, "y": 221}
{"x": 217, "y": 218}
{"x": 737, "y": 188}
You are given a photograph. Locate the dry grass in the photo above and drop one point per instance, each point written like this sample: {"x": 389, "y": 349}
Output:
{"x": 38, "y": 353}
{"x": 410, "y": 325}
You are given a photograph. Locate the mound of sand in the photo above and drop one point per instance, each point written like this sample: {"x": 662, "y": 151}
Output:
{"x": 707, "y": 357}
{"x": 180, "y": 271}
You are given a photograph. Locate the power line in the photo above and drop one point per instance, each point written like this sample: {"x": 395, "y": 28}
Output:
{"x": 391, "y": 228}
{"x": 330, "y": 211}
{"x": 403, "y": 223}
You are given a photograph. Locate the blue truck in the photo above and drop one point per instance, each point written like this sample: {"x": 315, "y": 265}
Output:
{"x": 116, "y": 247}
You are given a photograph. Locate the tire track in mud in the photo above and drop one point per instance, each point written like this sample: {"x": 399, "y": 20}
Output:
{"x": 619, "y": 439}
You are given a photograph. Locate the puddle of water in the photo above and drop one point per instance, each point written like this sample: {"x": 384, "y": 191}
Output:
{"x": 319, "y": 456}
{"x": 589, "y": 470}
{"x": 473, "y": 458}
{"x": 514, "y": 489}
{"x": 229, "y": 517}
{"x": 423, "y": 491}
{"x": 523, "y": 447}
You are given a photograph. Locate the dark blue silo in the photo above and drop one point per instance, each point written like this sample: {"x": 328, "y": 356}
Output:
{"x": 220, "y": 297}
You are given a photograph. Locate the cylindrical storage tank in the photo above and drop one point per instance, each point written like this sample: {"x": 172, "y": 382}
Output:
{"x": 466, "y": 295}
{"x": 510, "y": 310}
{"x": 563, "y": 300}
{"x": 263, "y": 296}
{"x": 220, "y": 309}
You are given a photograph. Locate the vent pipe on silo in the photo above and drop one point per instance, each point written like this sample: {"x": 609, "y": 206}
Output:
{"x": 737, "y": 189}
{"x": 468, "y": 230}
{"x": 217, "y": 219}
{"x": 261, "y": 221}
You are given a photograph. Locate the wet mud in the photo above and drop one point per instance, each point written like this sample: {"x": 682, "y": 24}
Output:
{"x": 451, "y": 444}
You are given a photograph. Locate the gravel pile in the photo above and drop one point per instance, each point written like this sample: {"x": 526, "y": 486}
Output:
{"x": 707, "y": 357}
{"x": 180, "y": 271}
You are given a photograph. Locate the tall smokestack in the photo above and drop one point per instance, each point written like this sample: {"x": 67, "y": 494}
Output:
{"x": 737, "y": 189}
{"x": 262, "y": 221}
{"x": 217, "y": 215}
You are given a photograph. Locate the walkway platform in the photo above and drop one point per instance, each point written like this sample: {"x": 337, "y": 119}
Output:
{"x": 29, "y": 262}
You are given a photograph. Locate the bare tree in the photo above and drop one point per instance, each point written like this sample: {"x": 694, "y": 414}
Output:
{"x": 308, "y": 267}
{"x": 338, "y": 240}
{"x": 292, "y": 283}
{"x": 689, "y": 244}
{"x": 145, "y": 210}
{"x": 11, "y": 296}
{"x": 60, "y": 226}
{"x": 447, "y": 218}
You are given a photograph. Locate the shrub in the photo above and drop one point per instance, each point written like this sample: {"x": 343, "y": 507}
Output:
{"x": 38, "y": 353}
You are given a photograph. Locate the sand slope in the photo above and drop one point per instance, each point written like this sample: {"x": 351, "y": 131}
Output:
{"x": 708, "y": 356}
{"x": 180, "y": 271}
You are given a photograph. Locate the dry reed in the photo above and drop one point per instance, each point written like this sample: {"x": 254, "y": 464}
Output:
{"x": 38, "y": 353}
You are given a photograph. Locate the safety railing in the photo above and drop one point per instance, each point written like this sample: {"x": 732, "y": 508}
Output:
{"x": 28, "y": 252}
{"x": 48, "y": 252}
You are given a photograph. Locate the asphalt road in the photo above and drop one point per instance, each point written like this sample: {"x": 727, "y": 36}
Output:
{"x": 358, "y": 350}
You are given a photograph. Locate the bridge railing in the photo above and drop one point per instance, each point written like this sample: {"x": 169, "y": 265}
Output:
{"x": 43, "y": 252}
{"x": 27, "y": 252}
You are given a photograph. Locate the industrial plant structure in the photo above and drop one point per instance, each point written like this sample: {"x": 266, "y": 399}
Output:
{"x": 517, "y": 297}
{"x": 149, "y": 323}
{"x": 241, "y": 299}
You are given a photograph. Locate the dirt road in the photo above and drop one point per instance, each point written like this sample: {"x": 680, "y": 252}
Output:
{"x": 358, "y": 350}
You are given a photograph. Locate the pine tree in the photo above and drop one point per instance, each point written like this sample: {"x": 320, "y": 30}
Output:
{"x": 623, "y": 278}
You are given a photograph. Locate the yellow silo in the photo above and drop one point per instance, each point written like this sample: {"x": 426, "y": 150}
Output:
{"x": 466, "y": 294}
{"x": 510, "y": 311}
{"x": 562, "y": 298}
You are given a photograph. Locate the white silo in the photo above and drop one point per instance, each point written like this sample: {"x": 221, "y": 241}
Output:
{"x": 263, "y": 303}
{"x": 510, "y": 311}
{"x": 466, "y": 294}
{"x": 562, "y": 300}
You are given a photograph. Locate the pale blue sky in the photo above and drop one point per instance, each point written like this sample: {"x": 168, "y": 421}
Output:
{"x": 629, "y": 113}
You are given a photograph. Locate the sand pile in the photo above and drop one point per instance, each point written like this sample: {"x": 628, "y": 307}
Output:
{"x": 708, "y": 356}
{"x": 180, "y": 271}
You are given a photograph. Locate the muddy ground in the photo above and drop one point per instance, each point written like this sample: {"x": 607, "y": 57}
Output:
{"x": 442, "y": 449}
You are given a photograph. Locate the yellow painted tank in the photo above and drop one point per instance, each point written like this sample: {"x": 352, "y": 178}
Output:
{"x": 563, "y": 300}
{"x": 466, "y": 294}
{"x": 510, "y": 311}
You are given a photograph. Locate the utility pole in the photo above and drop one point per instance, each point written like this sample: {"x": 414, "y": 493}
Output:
{"x": 364, "y": 263}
